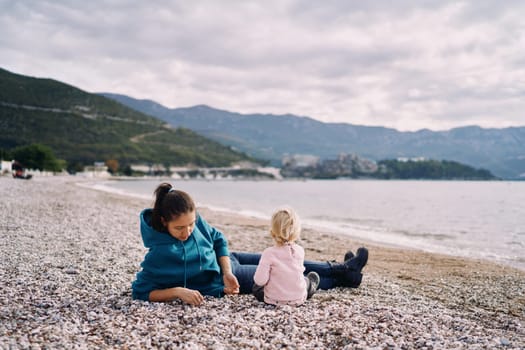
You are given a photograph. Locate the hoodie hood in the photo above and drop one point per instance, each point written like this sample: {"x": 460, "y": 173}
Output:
{"x": 150, "y": 236}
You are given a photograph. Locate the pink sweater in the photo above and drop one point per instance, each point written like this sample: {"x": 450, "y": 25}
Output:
{"x": 280, "y": 271}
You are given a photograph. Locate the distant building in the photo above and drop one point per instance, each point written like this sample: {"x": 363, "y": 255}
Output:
{"x": 5, "y": 167}
{"x": 98, "y": 169}
{"x": 149, "y": 169}
{"x": 412, "y": 159}
{"x": 345, "y": 165}
{"x": 300, "y": 160}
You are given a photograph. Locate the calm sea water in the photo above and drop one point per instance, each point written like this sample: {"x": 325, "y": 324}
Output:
{"x": 474, "y": 219}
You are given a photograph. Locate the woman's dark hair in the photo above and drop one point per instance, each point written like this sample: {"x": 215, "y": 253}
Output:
{"x": 169, "y": 204}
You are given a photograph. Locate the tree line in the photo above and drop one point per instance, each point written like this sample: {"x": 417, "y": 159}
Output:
{"x": 34, "y": 156}
{"x": 430, "y": 169}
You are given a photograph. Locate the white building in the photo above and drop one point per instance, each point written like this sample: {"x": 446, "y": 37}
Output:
{"x": 5, "y": 167}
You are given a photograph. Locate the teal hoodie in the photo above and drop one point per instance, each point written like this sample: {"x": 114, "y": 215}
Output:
{"x": 171, "y": 263}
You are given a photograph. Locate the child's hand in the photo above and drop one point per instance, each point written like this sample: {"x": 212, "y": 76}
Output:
{"x": 231, "y": 285}
{"x": 190, "y": 296}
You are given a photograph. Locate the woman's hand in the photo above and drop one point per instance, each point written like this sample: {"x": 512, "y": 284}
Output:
{"x": 231, "y": 285}
{"x": 190, "y": 296}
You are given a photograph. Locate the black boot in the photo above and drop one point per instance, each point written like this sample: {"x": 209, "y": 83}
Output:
{"x": 358, "y": 261}
{"x": 349, "y": 255}
{"x": 345, "y": 276}
{"x": 348, "y": 274}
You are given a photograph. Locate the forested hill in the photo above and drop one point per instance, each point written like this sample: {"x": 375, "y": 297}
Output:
{"x": 82, "y": 128}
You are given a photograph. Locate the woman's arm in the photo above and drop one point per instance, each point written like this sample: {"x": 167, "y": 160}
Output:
{"x": 189, "y": 296}
{"x": 231, "y": 285}
{"x": 220, "y": 244}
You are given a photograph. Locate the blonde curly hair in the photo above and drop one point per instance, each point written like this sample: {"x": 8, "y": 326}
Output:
{"x": 285, "y": 226}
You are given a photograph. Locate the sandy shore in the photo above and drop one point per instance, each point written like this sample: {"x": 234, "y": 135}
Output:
{"x": 69, "y": 255}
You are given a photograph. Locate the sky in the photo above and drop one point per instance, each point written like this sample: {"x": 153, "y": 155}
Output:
{"x": 407, "y": 65}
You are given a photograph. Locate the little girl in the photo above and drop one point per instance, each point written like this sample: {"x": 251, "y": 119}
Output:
{"x": 279, "y": 276}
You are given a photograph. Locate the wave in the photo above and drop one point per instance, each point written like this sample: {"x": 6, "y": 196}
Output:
{"x": 436, "y": 236}
{"x": 106, "y": 187}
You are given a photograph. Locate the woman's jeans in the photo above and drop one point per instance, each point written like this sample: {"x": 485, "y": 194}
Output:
{"x": 245, "y": 264}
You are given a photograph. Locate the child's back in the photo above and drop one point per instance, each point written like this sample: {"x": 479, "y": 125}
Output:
{"x": 279, "y": 276}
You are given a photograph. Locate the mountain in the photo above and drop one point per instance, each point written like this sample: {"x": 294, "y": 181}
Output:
{"x": 502, "y": 151}
{"x": 82, "y": 128}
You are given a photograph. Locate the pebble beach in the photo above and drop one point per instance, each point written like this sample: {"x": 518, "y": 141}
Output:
{"x": 69, "y": 254}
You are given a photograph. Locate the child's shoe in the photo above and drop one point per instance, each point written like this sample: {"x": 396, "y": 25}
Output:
{"x": 313, "y": 281}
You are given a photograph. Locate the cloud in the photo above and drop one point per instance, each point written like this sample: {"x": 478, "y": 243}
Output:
{"x": 408, "y": 65}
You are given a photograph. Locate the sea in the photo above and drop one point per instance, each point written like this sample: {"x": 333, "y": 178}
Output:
{"x": 484, "y": 219}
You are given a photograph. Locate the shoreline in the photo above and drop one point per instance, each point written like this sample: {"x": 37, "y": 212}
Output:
{"x": 377, "y": 239}
{"x": 70, "y": 254}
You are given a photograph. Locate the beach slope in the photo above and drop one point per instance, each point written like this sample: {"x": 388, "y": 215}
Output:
{"x": 69, "y": 255}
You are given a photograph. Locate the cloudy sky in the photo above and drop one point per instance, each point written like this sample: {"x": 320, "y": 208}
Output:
{"x": 402, "y": 64}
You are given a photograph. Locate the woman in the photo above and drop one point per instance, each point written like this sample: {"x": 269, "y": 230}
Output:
{"x": 188, "y": 258}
